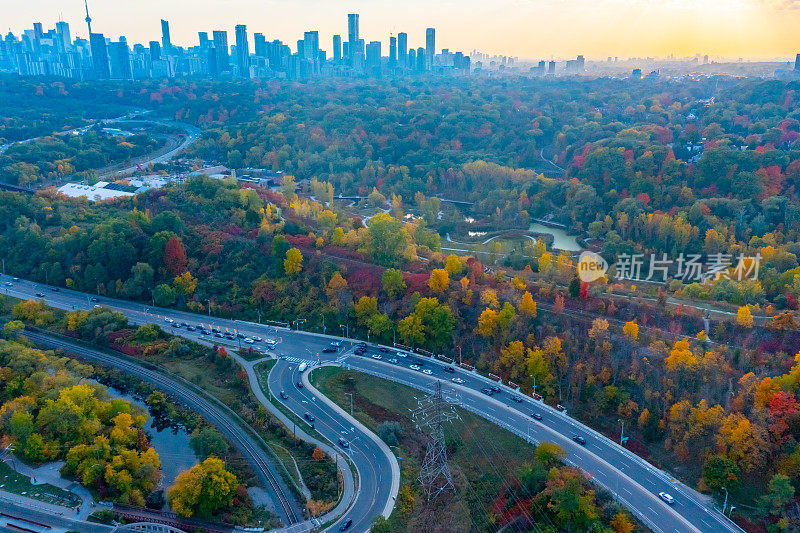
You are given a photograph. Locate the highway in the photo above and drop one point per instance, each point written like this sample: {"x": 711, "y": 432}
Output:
{"x": 635, "y": 482}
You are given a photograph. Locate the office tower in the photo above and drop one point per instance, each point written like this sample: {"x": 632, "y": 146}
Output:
{"x": 37, "y": 30}
{"x": 203, "y": 38}
{"x": 310, "y": 49}
{"x": 580, "y": 64}
{"x": 352, "y": 28}
{"x": 551, "y": 68}
{"x": 392, "y": 52}
{"x": 211, "y": 58}
{"x": 421, "y": 59}
{"x": 64, "y": 40}
{"x": 155, "y": 51}
{"x": 337, "y": 48}
{"x": 166, "y": 44}
{"x": 374, "y": 57}
{"x": 430, "y": 47}
{"x": 636, "y": 74}
{"x": 259, "y": 45}
{"x": 412, "y": 59}
{"x": 402, "y": 49}
{"x": 797, "y": 63}
{"x": 242, "y": 51}
{"x": 221, "y": 46}
{"x": 97, "y": 44}
{"x": 120, "y": 60}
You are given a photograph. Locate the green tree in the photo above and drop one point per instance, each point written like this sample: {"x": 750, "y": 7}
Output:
{"x": 203, "y": 489}
{"x": 393, "y": 283}
{"x": 208, "y": 442}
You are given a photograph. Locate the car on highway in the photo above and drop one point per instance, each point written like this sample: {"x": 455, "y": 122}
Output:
{"x": 517, "y": 399}
{"x": 284, "y": 395}
{"x": 249, "y": 341}
{"x": 346, "y": 525}
{"x": 401, "y": 354}
{"x": 536, "y": 416}
{"x": 168, "y": 320}
{"x": 360, "y": 350}
{"x": 377, "y": 356}
{"x": 204, "y": 332}
{"x": 40, "y": 295}
{"x": 175, "y": 325}
{"x": 666, "y": 497}
{"x": 94, "y": 299}
{"x": 8, "y": 284}
{"x": 393, "y": 361}
{"x": 258, "y": 339}
{"x": 343, "y": 443}
{"x": 330, "y": 349}
{"x": 299, "y": 384}
{"x": 336, "y": 343}
{"x": 14, "y": 279}
{"x": 495, "y": 388}
{"x": 457, "y": 380}
{"x": 309, "y": 417}
{"x": 427, "y": 371}
{"x": 414, "y": 367}
{"x": 450, "y": 370}
{"x": 54, "y": 289}
{"x": 383, "y": 349}
{"x": 580, "y": 440}
{"x": 219, "y": 335}
{"x": 487, "y": 391}
{"x": 190, "y": 328}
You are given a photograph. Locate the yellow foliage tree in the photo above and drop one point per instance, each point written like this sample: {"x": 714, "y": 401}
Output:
{"x": 203, "y": 489}
{"x": 293, "y": 263}
{"x": 681, "y": 356}
{"x": 439, "y": 280}
{"x": 487, "y": 322}
{"x": 527, "y": 306}
{"x": 744, "y": 317}
{"x": 453, "y": 265}
{"x": 631, "y": 329}
{"x": 186, "y": 284}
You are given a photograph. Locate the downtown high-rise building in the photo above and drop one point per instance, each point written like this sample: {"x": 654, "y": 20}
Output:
{"x": 402, "y": 49}
{"x": 97, "y": 44}
{"x": 202, "y": 37}
{"x": 221, "y": 49}
{"x": 242, "y": 51}
{"x": 430, "y": 47}
{"x": 392, "y": 52}
{"x": 337, "y": 48}
{"x": 797, "y": 63}
{"x": 166, "y": 43}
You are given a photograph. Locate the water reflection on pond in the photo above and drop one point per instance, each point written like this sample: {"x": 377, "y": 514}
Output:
{"x": 561, "y": 239}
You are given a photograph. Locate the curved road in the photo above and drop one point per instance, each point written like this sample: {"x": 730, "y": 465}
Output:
{"x": 635, "y": 482}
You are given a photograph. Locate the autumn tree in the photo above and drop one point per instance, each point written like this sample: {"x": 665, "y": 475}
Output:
{"x": 293, "y": 263}
{"x": 439, "y": 280}
{"x": 393, "y": 283}
{"x": 744, "y": 317}
{"x": 453, "y": 265}
{"x": 527, "y": 306}
{"x": 175, "y": 257}
{"x": 203, "y": 489}
{"x": 631, "y": 329}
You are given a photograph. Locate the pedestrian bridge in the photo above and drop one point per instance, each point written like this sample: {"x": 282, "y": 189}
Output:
{"x": 147, "y": 527}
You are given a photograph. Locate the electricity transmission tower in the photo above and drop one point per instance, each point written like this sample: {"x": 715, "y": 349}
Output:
{"x": 430, "y": 416}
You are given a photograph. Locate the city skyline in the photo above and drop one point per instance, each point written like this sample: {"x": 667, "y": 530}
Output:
{"x": 624, "y": 28}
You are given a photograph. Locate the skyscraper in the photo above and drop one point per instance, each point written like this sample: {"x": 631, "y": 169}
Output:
{"x": 97, "y": 44}
{"x": 402, "y": 49}
{"x": 430, "y": 47}
{"x": 374, "y": 57}
{"x": 203, "y": 37}
{"x": 221, "y": 47}
{"x": 352, "y": 37}
{"x": 155, "y": 51}
{"x": 64, "y": 40}
{"x": 259, "y": 45}
{"x": 797, "y": 63}
{"x": 392, "y": 52}
{"x": 551, "y": 68}
{"x": 337, "y": 48}
{"x": 421, "y": 59}
{"x": 120, "y": 60}
{"x": 242, "y": 51}
{"x": 166, "y": 44}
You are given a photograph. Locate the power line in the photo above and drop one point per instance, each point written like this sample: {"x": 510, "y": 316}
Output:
{"x": 432, "y": 412}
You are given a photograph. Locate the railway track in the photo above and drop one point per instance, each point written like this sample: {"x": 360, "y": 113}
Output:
{"x": 223, "y": 420}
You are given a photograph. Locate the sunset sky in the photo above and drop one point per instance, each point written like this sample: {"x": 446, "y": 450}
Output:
{"x": 752, "y": 29}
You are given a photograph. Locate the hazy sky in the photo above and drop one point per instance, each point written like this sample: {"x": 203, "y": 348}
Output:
{"x": 526, "y": 28}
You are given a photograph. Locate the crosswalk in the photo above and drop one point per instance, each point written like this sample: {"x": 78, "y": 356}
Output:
{"x": 299, "y": 360}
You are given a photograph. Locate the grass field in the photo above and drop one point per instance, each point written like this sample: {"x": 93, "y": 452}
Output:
{"x": 483, "y": 458}
{"x": 15, "y": 483}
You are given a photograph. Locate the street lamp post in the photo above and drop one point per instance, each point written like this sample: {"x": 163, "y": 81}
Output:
{"x": 725, "y": 503}
{"x": 209, "y": 307}
{"x": 351, "y": 401}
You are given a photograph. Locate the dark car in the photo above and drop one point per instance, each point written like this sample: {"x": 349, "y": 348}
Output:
{"x": 175, "y": 325}
{"x": 517, "y": 399}
{"x": 580, "y": 440}
{"x": 309, "y": 417}
{"x": 487, "y": 391}
{"x": 40, "y": 295}
{"x": 536, "y": 416}
{"x": 329, "y": 349}
{"x": 362, "y": 345}
{"x": 343, "y": 443}
{"x": 219, "y": 335}
{"x": 204, "y": 332}
{"x": 495, "y": 388}
{"x": 346, "y": 525}
{"x": 360, "y": 351}
{"x": 299, "y": 384}
{"x": 284, "y": 395}
{"x": 94, "y": 299}
{"x": 54, "y": 289}
{"x": 449, "y": 370}
{"x": 383, "y": 349}
{"x": 190, "y": 328}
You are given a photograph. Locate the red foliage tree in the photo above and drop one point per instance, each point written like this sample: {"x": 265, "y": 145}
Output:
{"x": 175, "y": 257}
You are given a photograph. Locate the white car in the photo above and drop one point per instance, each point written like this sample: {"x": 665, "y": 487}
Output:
{"x": 376, "y": 356}
{"x": 666, "y": 497}
{"x": 249, "y": 341}
{"x": 457, "y": 380}
{"x": 427, "y": 372}
{"x": 169, "y": 320}
{"x": 256, "y": 338}
{"x": 336, "y": 343}
{"x": 401, "y": 354}
{"x": 414, "y": 367}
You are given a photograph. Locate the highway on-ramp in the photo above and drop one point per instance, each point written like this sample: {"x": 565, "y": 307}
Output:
{"x": 635, "y": 482}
